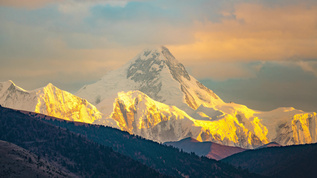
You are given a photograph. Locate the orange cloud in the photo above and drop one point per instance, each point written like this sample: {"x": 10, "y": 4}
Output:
{"x": 256, "y": 33}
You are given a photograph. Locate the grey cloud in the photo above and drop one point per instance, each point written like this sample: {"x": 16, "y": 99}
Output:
{"x": 276, "y": 85}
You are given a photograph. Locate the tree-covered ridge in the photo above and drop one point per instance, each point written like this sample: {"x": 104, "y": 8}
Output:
{"x": 285, "y": 161}
{"x": 166, "y": 159}
{"x": 19, "y": 162}
{"x": 70, "y": 150}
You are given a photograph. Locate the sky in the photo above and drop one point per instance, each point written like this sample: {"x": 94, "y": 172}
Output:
{"x": 261, "y": 53}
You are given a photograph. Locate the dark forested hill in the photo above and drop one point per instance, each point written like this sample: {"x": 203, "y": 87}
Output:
{"x": 18, "y": 162}
{"x": 288, "y": 161}
{"x": 71, "y": 151}
{"x": 165, "y": 159}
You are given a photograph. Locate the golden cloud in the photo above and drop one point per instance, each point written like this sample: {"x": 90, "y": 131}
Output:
{"x": 256, "y": 33}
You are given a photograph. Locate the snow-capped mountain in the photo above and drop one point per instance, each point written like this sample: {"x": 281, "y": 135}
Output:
{"x": 171, "y": 105}
{"x": 137, "y": 113}
{"x": 48, "y": 100}
{"x": 229, "y": 123}
{"x": 156, "y": 73}
{"x": 154, "y": 96}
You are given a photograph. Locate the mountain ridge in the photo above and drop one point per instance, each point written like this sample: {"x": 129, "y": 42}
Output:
{"x": 81, "y": 141}
{"x": 69, "y": 150}
{"x": 48, "y": 100}
{"x": 286, "y": 161}
{"x": 162, "y": 83}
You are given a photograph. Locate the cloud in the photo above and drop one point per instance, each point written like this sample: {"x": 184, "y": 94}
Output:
{"x": 34, "y": 4}
{"x": 309, "y": 66}
{"x": 77, "y": 66}
{"x": 51, "y": 59}
{"x": 33, "y": 56}
{"x": 215, "y": 39}
{"x": 256, "y": 32}
{"x": 221, "y": 71}
{"x": 30, "y": 4}
{"x": 276, "y": 84}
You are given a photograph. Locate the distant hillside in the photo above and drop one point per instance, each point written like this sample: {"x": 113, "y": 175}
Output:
{"x": 271, "y": 144}
{"x": 288, "y": 161}
{"x": 18, "y": 162}
{"x": 165, "y": 159}
{"x": 208, "y": 149}
{"x": 72, "y": 151}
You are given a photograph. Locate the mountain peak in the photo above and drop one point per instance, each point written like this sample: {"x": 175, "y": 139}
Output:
{"x": 155, "y": 72}
{"x": 165, "y": 51}
{"x": 155, "y": 48}
{"x": 49, "y": 85}
{"x": 9, "y": 81}
{"x": 10, "y": 85}
{"x": 48, "y": 100}
{"x": 160, "y": 53}
{"x": 152, "y": 61}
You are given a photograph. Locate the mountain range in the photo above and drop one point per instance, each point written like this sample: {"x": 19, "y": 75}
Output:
{"x": 48, "y": 100}
{"x": 153, "y": 96}
{"x": 76, "y": 149}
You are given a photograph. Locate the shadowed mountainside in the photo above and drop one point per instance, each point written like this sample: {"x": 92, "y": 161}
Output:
{"x": 67, "y": 149}
{"x": 288, "y": 161}
{"x": 208, "y": 149}
{"x": 165, "y": 159}
{"x": 18, "y": 162}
